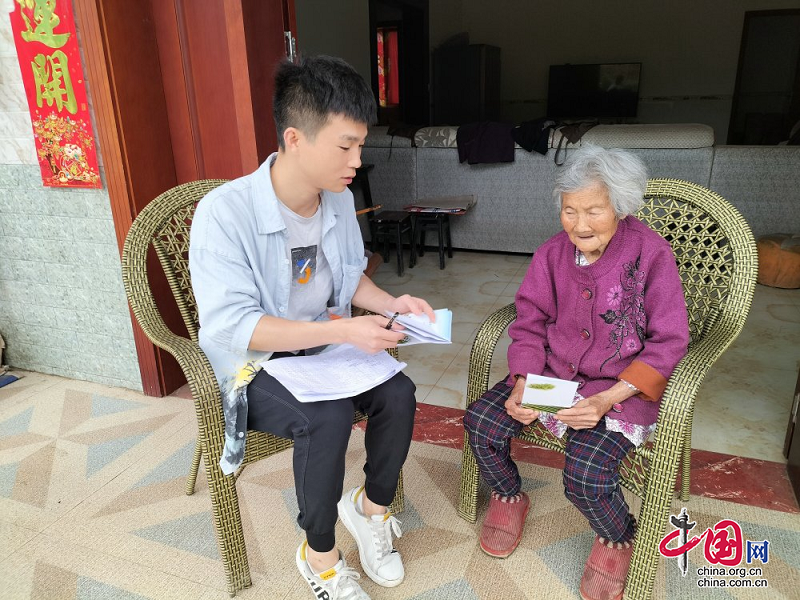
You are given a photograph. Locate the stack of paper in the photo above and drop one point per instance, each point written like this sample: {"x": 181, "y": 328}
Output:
{"x": 341, "y": 372}
{"x": 420, "y": 330}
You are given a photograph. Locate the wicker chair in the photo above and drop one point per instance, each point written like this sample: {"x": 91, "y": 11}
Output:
{"x": 716, "y": 256}
{"x": 164, "y": 224}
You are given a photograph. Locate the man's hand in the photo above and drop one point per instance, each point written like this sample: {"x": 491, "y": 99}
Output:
{"x": 409, "y": 304}
{"x": 369, "y": 333}
{"x": 513, "y": 405}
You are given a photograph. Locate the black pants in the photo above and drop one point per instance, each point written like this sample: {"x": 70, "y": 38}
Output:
{"x": 321, "y": 430}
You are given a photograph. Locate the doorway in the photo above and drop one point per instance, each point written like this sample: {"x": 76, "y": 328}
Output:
{"x": 766, "y": 99}
{"x": 399, "y": 60}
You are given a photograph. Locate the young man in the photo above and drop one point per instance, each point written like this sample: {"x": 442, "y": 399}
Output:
{"x": 276, "y": 259}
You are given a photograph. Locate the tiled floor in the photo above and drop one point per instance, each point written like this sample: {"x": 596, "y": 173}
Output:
{"x": 743, "y": 406}
{"x": 93, "y": 505}
{"x": 92, "y": 478}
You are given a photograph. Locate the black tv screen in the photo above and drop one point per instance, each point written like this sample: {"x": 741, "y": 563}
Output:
{"x": 586, "y": 91}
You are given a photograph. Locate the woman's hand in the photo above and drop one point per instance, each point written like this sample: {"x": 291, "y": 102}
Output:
{"x": 585, "y": 413}
{"x": 514, "y": 408}
{"x": 410, "y": 304}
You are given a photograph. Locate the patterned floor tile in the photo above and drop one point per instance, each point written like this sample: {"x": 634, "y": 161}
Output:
{"x": 52, "y": 567}
{"x": 59, "y": 446}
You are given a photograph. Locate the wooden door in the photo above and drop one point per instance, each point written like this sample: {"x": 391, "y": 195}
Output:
{"x": 766, "y": 99}
{"x": 181, "y": 91}
{"x": 791, "y": 447}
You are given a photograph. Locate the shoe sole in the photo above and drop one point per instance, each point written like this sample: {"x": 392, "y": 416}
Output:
{"x": 516, "y": 544}
{"x": 352, "y": 529}
{"x": 585, "y": 597}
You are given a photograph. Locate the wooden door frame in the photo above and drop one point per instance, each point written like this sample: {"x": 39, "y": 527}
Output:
{"x": 158, "y": 127}
{"x": 410, "y": 86}
{"x": 131, "y": 181}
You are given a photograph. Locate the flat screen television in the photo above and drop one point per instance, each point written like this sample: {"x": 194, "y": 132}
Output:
{"x": 587, "y": 91}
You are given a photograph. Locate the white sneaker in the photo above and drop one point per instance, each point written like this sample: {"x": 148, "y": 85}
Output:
{"x": 337, "y": 583}
{"x": 380, "y": 561}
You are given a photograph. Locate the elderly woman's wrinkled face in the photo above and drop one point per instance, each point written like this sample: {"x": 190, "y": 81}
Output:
{"x": 589, "y": 220}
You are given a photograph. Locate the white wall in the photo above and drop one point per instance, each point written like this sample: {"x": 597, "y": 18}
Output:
{"x": 339, "y": 28}
{"x": 689, "y": 48}
{"x": 62, "y": 305}
{"x": 446, "y": 18}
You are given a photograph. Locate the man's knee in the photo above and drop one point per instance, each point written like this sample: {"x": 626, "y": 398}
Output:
{"x": 396, "y": 398}
{"x": 334, "y": 415}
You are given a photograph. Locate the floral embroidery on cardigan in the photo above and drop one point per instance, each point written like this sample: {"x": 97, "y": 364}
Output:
{"x": 626, "y": 312}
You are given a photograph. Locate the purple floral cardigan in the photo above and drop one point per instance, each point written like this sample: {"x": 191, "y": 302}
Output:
{"x": 623, "y": 316}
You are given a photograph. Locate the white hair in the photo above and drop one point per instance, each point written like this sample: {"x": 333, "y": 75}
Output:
{"x": 621, "y": 173}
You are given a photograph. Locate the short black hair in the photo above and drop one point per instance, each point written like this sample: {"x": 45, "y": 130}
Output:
{"x": 308, "y": 93}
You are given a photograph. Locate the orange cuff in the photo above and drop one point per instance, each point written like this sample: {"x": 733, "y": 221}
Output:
{"x": 646, "y": 378}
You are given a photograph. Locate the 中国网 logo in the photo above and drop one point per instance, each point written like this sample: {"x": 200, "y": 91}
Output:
{"x": 723, "y": 548}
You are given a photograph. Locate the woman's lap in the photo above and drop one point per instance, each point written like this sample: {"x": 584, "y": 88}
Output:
{"x": 487, "y": 417}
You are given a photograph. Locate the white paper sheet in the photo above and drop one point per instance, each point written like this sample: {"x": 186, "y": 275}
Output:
{"x": 549, "y": 392}
{"x": 341, "y": 372}
{"x": 420, "y": 330}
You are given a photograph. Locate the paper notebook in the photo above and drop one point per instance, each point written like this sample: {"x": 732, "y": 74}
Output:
{"x": 420, "y": 330}
{"x": 548, "y": 394}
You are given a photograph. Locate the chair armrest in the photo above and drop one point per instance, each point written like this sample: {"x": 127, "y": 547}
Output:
{"x": 191, "y": 359}
{"x": 195, "y": 366}
{"x": 480, "y": 357}
{"x": 678, "y": 400}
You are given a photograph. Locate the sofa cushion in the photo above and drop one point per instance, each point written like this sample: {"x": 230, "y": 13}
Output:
{"x": 378, "y": 137}
{"x": 443, "y": 136}
{"x": 683, "y": 135}
{"x": 763, "y": 182}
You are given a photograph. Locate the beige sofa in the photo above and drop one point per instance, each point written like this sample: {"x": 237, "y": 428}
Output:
{"x": 515, "y": 211}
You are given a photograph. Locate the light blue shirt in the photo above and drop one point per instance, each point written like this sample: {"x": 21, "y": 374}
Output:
{"x": 240, "y": 271}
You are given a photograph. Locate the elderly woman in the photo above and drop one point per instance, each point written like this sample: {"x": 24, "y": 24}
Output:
{"x": 601, "y": 304}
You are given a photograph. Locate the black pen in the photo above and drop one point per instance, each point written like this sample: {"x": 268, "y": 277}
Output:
{"x": 391, "y": 321}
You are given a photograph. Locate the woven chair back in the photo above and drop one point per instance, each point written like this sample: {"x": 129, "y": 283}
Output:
{"x": 167, "y": 223}
{"x": 712, "y": 244}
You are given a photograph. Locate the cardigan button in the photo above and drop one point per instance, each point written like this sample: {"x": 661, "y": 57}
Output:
{"x": 571, "y": 368}
{"x": 585, "y": 334}
{"x": 586, "y": 294}
{"x": 617, "y": 407}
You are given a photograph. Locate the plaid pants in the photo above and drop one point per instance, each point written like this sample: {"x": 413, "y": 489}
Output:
{"x": 591, "y": 477}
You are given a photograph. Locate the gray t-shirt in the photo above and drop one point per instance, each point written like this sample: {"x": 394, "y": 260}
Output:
{"x": 312, "y": 279}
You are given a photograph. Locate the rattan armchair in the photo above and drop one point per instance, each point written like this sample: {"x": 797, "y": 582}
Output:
{"x": 716, "y": 256}
{"x": 164, "y": 224}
